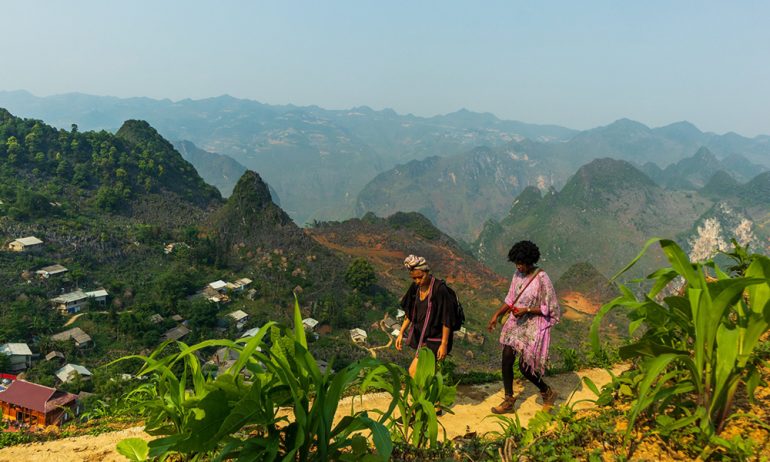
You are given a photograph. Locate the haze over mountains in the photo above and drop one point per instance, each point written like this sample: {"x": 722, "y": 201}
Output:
{"x": 318, "y": 161}
{"x": 468, "y": 173}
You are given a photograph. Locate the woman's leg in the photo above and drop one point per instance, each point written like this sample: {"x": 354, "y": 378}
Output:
{"x": 509, "y": 358}
{"x": 549, "y": 395}
{"x": 413, "y": 367}
{"x": 533, "y": 377}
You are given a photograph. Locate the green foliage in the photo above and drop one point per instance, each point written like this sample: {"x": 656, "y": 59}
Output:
{"x": 14, "y": 438}
{"x": 229, "y": 416}
{"x": 561, "y": 435}
{"x": 415, "y": 222}
{"x": 699, "y": 343}
{"x": 416, "y": 399}
{"x": 135, "y": 449}
{"x": 360, "y": 274}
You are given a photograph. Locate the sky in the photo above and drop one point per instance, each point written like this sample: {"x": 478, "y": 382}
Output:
{"x": 578, "y": 64}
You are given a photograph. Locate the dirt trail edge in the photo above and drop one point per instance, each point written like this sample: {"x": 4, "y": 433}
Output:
{"x": 470, "y": 414}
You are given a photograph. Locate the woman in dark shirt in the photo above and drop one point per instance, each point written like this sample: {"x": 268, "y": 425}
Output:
{"x": 426, "y": 291}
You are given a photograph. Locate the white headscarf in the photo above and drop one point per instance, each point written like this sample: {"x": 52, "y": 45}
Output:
{"x": 413, "y": 262}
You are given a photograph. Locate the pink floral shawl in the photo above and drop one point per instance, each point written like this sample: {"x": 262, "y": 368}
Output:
{"x": 530, "y": 334}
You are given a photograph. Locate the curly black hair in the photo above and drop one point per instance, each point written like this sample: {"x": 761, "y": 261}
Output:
{"x": 524, "y": 252}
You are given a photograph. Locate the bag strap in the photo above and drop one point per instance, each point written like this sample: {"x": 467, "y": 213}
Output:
{"x": 427, "y": 316}
{"x": 532, "y": 278}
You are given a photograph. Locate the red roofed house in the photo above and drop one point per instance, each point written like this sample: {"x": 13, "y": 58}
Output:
{"x": 33, "y": 404}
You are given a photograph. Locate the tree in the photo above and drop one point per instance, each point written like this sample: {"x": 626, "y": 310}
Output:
{"x": 360, "y": 274}
{"x": 5, "y": 363}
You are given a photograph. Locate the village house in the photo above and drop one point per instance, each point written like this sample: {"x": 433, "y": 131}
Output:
{"x": 240, "y": 317}
{"x": 219, "y": 285}
{"x": 156, "y": 318}
{"x": 25, "y": 244}
{"x": 400, "y": 314}
{"x": 175, "y": 334}
{"x": 57, "y": 356}
{"x": 358, "y": 335}
{"x": 68, "y": 373}
{"x": 169, "y": 248}
{"x": 323, "y": 365}
{"x": 238, "y": 285}
{"x": 77, "y": 334}
{"x": 309, "y": 324}
{"x": 52, "y": 270}
{"x": 20, "y": 356}
{"x": 73, "y": 302}
{"x": 35, "y": 405}
{"x": 216, "y": 292}
{"x": 251, "y": 332}
{"x": 5, "y": 382}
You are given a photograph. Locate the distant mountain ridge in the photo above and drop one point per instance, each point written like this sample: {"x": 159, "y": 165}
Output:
{"x": 336, "y": 153}
{"x": 459, "y": 195}
{"x": 606, "y": 212}
{"x": 217, "y": 170}
{"x": 339, "y": 151}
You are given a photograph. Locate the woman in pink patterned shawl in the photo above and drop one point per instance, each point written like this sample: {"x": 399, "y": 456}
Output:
{"x": 534, "y": 310}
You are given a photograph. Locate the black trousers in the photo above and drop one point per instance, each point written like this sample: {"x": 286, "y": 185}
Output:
{"x": 509, "y": 358}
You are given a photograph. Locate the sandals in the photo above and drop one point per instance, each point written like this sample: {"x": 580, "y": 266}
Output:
{"x": 506, "y": 406}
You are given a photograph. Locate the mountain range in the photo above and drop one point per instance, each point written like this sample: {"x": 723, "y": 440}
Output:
{"x": 335, "y": 154}
{"x": 609, "y": 208}
{"x": 338, "y": 151}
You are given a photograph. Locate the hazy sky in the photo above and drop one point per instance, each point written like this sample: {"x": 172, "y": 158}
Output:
{"x": 574, "y": 63}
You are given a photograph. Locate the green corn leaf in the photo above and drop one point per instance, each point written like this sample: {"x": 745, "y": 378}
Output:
{"x": 299, "y": 329}
{"x": 653, "y": 369}
{"x": 681, "y": 263}
{"x": 597, "y": 321}
{"x": 637, "y": 258}
{"x": 426, "y": 366}
{"x": 135, "y": 449}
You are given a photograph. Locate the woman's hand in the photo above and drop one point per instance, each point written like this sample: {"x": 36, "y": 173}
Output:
{"x": 492, "y": 323}
{"x": 399, "y": 341}
{"x": 441, "y": 353}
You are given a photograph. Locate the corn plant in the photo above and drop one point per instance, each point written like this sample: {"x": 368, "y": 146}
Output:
{"x": 417, "y": 400}
{"x": 231, "y": 416}
{"x": 698, "y": 343}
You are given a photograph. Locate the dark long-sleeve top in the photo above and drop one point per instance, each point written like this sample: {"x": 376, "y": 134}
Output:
{"x": 442, "y": 313}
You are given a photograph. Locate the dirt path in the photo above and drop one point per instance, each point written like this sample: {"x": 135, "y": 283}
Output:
{"x": 471, "y": 413}
{"x": 77, "y": 316}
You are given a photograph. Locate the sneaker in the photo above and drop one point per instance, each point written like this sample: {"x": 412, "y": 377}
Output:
{"x": 549, "y": 398}
{"x": 506, "y": 406}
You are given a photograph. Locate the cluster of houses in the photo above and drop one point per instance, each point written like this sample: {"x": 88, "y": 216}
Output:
{"x": 67, "y": 303}
{"x": 20, "y": 356}
{"x": 28, "y": 405}
{"x": 217, "y": 291}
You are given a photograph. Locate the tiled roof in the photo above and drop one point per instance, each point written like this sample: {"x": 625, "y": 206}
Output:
{"x": 33, "y": 396}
